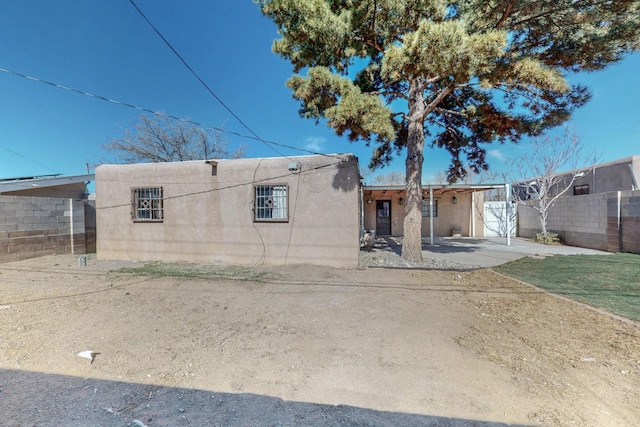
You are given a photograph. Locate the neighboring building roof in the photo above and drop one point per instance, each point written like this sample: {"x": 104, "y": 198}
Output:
{"x": 22, "y": 178}
{"x": 9, "y": 185}
{"x": 617, "y": 175}
{"x": 630, "y": 159}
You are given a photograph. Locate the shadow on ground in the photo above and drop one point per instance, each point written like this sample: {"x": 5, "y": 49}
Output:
{"x": 32, "y": 398}
{"x": 394, "y": 244}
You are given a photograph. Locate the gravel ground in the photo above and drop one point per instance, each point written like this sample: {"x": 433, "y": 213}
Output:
{"x": 386, "y": 253}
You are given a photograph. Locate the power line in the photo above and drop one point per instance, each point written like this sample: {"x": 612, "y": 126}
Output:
{"x": 158, "y": 113}
{"x": 340, "y": 163}
{"x": 27, "y": 158}
{"x": 199, "y": 79}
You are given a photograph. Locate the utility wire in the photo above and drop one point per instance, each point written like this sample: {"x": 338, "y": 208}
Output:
{"x": 339, "y": 164}
{"x": 200, "y": 80}
{"x": 158, "y": 113}
{"x": 27, "y": 158}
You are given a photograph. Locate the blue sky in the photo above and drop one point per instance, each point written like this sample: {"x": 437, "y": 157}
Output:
{"x": 106, "y": 48}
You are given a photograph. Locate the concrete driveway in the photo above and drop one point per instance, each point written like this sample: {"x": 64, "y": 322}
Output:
{"x": 492, "y": 251}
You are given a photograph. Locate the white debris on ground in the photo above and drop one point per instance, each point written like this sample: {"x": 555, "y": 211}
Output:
{"x": 89, "y": 355}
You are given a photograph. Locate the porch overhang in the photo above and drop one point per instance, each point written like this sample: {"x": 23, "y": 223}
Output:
{"x": 437, "y": 189}
{"x": 371, "y": 193}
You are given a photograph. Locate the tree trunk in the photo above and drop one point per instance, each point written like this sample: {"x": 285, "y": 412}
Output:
{"x": 544, "y": 207}
{"x": 412, "y": 226}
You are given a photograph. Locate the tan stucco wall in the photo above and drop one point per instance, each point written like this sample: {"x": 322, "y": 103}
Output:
{"x": 449, "y": 216}
{"x": 209, "y": 218}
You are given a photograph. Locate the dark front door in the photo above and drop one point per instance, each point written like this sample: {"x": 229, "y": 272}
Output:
{"x": 383, "y": 217}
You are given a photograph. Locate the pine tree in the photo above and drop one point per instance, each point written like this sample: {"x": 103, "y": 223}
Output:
{"x": 461, "y": 73}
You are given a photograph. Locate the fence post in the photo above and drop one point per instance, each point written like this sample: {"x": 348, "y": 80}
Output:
{"x": 431, "y": 215}
{"x": 619, "y": 215}
{"x": 507, "y": 192}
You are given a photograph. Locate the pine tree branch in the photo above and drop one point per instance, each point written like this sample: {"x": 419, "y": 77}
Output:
{"x": 437, "y": 100}
{"x": 433, "y": 80}
{"x": 539, "y": 15}
{"x": 374, "y": 44}
{"x": 506, "y": 14}
{"x": 446, "y": 111}
{"x": 391, "y": 93}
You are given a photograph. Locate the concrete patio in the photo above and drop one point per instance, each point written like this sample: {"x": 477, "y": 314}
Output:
{"x": 487, "y": 251}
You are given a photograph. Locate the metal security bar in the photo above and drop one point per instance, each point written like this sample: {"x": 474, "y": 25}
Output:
{"x": 271, "y": 203}
{"x": 147, "y": 204}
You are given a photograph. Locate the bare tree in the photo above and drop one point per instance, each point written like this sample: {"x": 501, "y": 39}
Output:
{"x": 365, "y": 173}
{"x": 493, "y": 177}
{"x": 496, "y": 215}
{"x": 389, "y": 178}
{"x": 552, "y": 165}
{"x": 438, "y": 178}
{"x": 493, "y": 210}
{"x": 160, "y": 138}
{"x": 442, "y": 178}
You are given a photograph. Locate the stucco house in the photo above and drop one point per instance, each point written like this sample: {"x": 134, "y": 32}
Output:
{"x": 45, "y": 215}
{"x": 260, "y": 211}
{"x": 447, "y": 210}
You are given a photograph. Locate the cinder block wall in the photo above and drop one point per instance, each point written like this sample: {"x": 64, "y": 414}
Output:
{"x": 37, "y": 226}
{"x": 590, "y": 221}
{"x": 90, "y": 231}
{"x": 623, "y": 230}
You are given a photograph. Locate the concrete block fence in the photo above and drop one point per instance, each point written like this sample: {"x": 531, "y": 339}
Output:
{"x": 605, "y": 221}
{"x": 36, "y": 226}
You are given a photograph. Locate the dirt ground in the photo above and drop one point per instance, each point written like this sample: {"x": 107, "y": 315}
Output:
{"x": 305, "y": 346}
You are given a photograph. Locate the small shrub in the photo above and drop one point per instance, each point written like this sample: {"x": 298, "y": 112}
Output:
{"x": 547, "y": 238}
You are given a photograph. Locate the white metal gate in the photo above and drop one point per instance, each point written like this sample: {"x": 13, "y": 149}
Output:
{"x": 495, "y": 215}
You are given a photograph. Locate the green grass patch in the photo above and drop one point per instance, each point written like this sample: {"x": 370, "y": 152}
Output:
{"x": 609, "y": 282}
{"x": 193, "y": 271}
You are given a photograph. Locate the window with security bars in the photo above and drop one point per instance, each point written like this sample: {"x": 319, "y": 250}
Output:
{"x": 271, "y": 203}
{"x": 426, "y": 210}
{"x": 147, "y": 204}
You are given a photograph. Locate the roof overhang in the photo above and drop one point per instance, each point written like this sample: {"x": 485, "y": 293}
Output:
{"x": 17, "y": 184}
{"x": 437, "y": 188}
